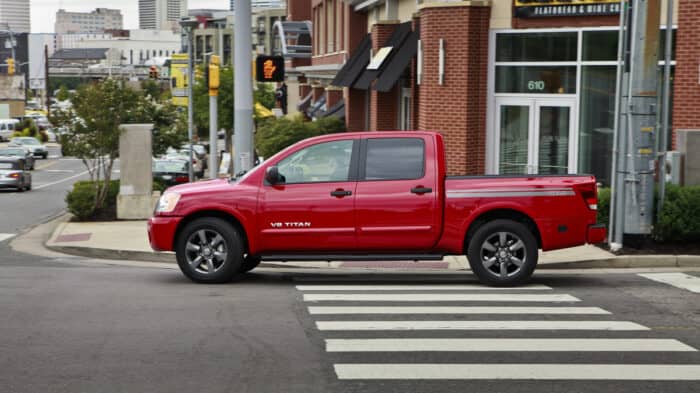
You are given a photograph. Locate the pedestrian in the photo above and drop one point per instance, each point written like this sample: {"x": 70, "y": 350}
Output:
{"x": 281, "y": 97}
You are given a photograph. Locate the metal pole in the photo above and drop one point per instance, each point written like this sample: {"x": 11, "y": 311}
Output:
{"x": 615, "y": 233}
{"x": 190, "y": 83}
{"x": 243, "y": 93}
{"x": 213, "y": 151}
{"x": 663, "y": 136}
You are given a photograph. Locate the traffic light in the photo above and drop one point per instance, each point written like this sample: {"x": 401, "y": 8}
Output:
{"x": 213, "y": 75}
{"x": 10, "y": 66}
{"x": 269, "y": 68}
{"x": 153, "y": 72}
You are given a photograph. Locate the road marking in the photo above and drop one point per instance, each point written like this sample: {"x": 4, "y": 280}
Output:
{"x": 5, "y": 236}
{"x": 60, "y": 171}
{"x": 626, "y": 372}
{"x": 471, "y": 287}
{"x": 678, "y": 280}
{"x": 319, "y": 310}
{"x": 439, "y": 297}
{"x": 505, "y": 344}
{"x": 479, "y": 325}
{"x": 61, "y": 181}
{"x": 44, "y": 166}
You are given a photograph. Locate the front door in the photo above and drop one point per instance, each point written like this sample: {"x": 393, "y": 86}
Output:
{"x": 535, "y": 136}
{"x": 314, "y": 208}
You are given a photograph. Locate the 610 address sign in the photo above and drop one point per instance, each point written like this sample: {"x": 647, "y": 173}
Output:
{"x": 535, "y": 85}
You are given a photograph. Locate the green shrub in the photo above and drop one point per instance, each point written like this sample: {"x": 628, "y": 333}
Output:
{"x": 274, "y": 134}
{"x": 81, "y": 200}
{"x": 679, "y": 220}
{"x": 603, "y": 206}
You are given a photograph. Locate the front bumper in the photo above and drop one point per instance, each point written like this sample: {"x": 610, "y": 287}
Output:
{"x": 596, "y": 234}
{"x": 161, "y": 232}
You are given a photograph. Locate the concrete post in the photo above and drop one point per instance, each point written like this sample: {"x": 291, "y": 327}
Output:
{"x": 135, "y": 200}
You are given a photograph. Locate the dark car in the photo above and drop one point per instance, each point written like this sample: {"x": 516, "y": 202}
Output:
{"x": 19, "y": 152}
{"x": 171, "y": 172}
{"x": 14, "y": 175}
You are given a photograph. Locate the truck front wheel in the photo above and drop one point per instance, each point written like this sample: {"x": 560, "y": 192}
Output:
{"x": 209, "y": 250}
{"x": 503, "y": 253}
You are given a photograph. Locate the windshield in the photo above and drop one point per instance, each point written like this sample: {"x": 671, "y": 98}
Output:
{"x": 28, "y": 141}
{"x": 170, "y": 166}
{"x": 12, "y": 152}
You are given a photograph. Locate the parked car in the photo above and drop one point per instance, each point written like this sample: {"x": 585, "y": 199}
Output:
{"x": 32, "y": 144}
{"x": 373, "y": 196}
{"x": 171, "y": 172}
{"x": 13, "y": 174}
{"x": 200, "y": 151}
{"x": 20, "y": 152}
{"x": 184, "y": 154}
{"x": 7, "y": 128}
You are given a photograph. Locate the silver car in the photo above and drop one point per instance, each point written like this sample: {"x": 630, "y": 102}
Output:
{"x": 14, "y": 175}
{"x": 19, "y": 152}
{"x": 32, "y": 144}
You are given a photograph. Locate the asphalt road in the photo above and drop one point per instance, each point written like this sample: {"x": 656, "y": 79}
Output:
{"x": 51, "y": 179}
{"x": 74, "y": 325}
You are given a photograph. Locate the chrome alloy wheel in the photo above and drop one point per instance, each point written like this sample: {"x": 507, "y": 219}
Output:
{"x": 503, "y": 254}
{"x": 206, "y": 251}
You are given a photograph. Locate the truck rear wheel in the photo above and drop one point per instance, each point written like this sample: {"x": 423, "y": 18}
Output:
{"x": 503, "y": 253}
{"x": 209, "y": 250}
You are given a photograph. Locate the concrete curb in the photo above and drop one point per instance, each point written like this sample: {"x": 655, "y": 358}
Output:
{"x": 103, "y": 253}
{"x": 629, "y": 261}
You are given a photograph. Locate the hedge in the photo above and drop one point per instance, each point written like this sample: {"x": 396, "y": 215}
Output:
{"x": 679, "y": 219}
{"x": 81, "y": 200}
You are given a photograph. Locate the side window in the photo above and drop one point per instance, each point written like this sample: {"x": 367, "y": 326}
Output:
{"x": 324, "y": 162}
{"x": 395, "y": 159}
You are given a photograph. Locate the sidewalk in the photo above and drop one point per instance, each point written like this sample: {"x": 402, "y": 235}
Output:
{"x": 128, "y": 240}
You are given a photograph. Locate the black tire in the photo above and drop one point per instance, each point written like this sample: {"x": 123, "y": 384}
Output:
{"x": 494, "y": 263}
{"x": 45, "y": 155}
{"x": 250, "y": 263}
{"x": 227, "y": 267}
{"x": 29, "y": 187}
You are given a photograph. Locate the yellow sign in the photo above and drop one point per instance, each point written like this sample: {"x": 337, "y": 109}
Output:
{"x": 552, "y": 8}
{"x": 214, "y": 75}
{"x": 178, "y": 79}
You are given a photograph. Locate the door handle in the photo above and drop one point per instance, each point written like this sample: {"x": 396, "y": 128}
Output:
{"x": 340, "y": 193}
{"x": 421, "y": 190}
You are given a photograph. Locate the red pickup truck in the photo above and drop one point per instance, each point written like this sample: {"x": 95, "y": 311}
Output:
{"x": 372, "y": 196}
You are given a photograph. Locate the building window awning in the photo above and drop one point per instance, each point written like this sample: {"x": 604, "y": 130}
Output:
{"x": 398, "y": 63}
{"x": 318, "y": 108}
{"x": 397, "y": 40}
{"x": 355, "y": 65}
{"x": 305, "y": 102}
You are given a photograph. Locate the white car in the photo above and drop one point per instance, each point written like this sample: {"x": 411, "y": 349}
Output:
{"x": 7, "y": 128}
{"x": 32, "y": 144}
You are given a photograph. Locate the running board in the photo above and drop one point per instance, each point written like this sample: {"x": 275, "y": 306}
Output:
{"x": 351, "y": 258}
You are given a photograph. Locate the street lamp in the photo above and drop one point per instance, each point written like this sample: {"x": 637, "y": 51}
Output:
{"x": 188, "y": 25}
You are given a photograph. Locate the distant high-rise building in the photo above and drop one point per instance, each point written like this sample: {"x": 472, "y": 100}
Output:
{"x": 15, "y": 14}
{"x": 257, "y": 4}
{"x": 96, "y": 21}
{"x": 161, "y": 14}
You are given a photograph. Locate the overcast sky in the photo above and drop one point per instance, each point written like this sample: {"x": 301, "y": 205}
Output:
{"x": 44, "y": 11}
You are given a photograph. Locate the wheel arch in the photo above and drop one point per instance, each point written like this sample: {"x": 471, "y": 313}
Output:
{"x": 501, "y": 213}
{"x": 226, "y": 216}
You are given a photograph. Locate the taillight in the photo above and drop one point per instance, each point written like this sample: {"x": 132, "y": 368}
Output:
{"x": 182, "y": 179}
{"x": 14, "y": 175}
{"x": 589, "y": 192}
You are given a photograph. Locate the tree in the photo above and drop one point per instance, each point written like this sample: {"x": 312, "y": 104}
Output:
{"x": 169, "y": 126}
{"x": 93, "y": 127}
{"x": 62, "y": 94}
{"x": 274, "y": 134}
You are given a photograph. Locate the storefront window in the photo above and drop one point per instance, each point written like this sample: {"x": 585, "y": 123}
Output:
{"x": 597, "y": 117}
{"x": 536, "y": 79}
{"x": 599, "y": 45}
{"x": 536, "y": 47}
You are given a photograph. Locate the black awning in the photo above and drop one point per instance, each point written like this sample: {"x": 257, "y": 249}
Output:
{"x": 392, "y": 71}
{"x": 396, "y": 40}
{"x": 337, "y": 110}
{"x": 355, "y": 64}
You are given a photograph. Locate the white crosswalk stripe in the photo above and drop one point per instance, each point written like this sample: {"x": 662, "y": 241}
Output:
{"x": 329, "y": 310}
{"x": 6, "y": 236}
{"x": 678, "y": 280}
{"x": 624, "y": 372}
{"x": 356, "y": 338}
{"x": 439, "y": 297}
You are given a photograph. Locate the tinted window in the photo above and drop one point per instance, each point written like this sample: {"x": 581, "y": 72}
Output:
{"x": 536, "y": 46}
{"x": 324, "y": 162}
{"x": 394, "y": 158}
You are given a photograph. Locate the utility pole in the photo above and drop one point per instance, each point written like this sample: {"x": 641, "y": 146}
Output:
{"x": 188, "y": 25}
{"x": 243, "y": 89}
{"x": 46, "y": 80}
{"x": 666, "y": 102}
{"x": 633, "y": 197}
{"x": 213, "y": 81}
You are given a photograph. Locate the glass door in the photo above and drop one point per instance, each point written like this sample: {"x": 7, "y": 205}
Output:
{"x": 535, "y": 136}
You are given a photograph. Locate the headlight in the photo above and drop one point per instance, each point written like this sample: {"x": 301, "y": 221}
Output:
{"x": 167, "y": 202}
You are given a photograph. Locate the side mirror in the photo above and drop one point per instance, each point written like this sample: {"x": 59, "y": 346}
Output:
{"x": 272, "y": 175}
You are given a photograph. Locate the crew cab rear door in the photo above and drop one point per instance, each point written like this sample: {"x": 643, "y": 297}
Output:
{"x": 313, "y": 209}
{"x": 397, "y": 203}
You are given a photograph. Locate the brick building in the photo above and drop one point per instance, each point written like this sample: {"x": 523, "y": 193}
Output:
{"x": 515, "y": 86}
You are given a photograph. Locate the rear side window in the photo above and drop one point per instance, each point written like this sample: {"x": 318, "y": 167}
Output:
{"x": 395, "y": 159}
